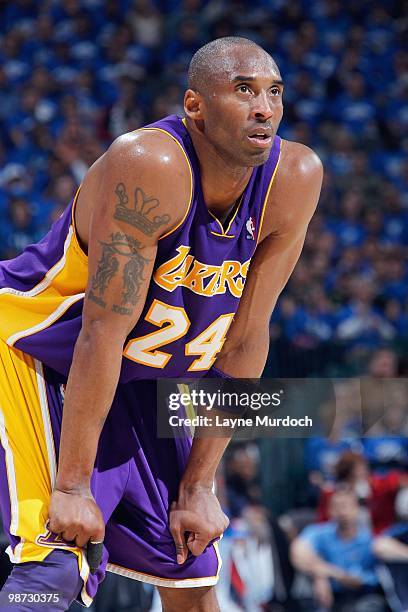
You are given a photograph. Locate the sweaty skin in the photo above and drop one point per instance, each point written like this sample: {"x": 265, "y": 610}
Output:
{"x": 220, "y": 121}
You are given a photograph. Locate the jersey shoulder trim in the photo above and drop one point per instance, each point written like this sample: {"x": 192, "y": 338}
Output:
{"x": 268, "y": 190}
{"x": 75, "y": 240}
{"x": 176, "y": 227}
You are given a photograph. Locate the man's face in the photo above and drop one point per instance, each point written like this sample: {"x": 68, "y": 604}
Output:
{"x": 343, "y": 509}
{"x": 242, "y": 106}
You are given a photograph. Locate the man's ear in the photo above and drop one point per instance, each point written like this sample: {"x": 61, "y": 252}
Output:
{"x": 193, "y": 105}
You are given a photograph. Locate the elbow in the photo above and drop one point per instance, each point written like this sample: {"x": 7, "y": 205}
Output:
{"x": 96, "y": 335}
{"x": 295, "y": 554}
{"x": 377, "y": 547}
{"x": 247, "y": 358}
{"x": 301, "y": 556}
{"x": 381, "y": 547}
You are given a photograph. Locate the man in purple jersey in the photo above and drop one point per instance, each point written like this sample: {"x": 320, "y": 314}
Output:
{"x": 155, "y": 255}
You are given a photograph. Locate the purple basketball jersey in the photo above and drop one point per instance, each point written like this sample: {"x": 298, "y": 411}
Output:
{"x": 198, "y": 279}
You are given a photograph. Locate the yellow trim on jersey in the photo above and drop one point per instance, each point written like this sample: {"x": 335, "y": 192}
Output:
{"x": 190, "y": 411}
{"x": 174, "y": 583}
{"x": 75, "y": 237}
{"x": 191, "y": 177}
{"x": 24, "y": 438}
{"x": 27, "y": 312}
{"x": 224, "y": 233}
{"x": 27, "y": 439}
{"x": 267, "y": 193}
{"x": 217, "y": 552}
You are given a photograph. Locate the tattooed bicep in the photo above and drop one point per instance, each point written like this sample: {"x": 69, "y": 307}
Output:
{"x": 120, "y": 273}
{"x": 123, "y": 259}
{"x": 145, "y": 191}
{"x": 140, "y": 210}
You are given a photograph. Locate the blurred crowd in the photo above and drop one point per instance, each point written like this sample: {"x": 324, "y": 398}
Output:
{"x": 75, "y": 74}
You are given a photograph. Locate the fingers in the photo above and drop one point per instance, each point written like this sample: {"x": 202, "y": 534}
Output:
{"x": 191, "y": 532}
{"x": 98, "y": 533}
{"x": 197, "y": 545}
{"x": 78, "y": 535}
{"x": 76, "y": 519}
{"x": 200, "y": 533}
{"x": 189, "y": 520}
{"x": 177, "y": 531}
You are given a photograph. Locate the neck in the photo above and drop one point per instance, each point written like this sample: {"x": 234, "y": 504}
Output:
{"x": 222, "y": 182}
{"x": 347, "y": 531}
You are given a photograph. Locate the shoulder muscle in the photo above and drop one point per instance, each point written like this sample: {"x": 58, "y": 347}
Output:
{"x": 144, "y": 171}
{"x": 151, "y": 177}
{"x": 295, "y": 191}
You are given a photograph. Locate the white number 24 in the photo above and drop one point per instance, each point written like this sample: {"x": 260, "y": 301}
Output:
{"x": 207, "y": 344}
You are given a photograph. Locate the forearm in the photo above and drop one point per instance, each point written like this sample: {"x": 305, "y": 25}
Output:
{"x": 305, "y": 560}
{"x": 239, "y": 361}
{"x": 203, "y": 461}
{"x": 389, "y": 549}
{"x": 90, "y": 390}
{"x": 245, "y": 356}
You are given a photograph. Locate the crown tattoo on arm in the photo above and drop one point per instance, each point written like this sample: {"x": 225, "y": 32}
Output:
{"x": 141, "y": 213}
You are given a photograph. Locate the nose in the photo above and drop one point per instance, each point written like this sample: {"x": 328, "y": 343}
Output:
{"x": 262, "y": 107}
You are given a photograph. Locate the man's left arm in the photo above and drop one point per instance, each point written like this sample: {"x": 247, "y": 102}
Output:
{"x": 292, "y": 202}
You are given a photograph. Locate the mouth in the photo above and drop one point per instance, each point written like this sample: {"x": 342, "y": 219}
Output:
{"x": 262, "y": 139}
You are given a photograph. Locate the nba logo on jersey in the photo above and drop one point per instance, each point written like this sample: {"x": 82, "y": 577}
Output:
{"x": 250, "y": 227}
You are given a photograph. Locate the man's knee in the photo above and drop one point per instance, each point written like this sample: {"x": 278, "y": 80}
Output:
{"x": 200, "y": 599}
{"x": 58, "y": 574}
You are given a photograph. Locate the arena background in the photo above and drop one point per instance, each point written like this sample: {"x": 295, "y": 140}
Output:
{"x": 75, "y": 74}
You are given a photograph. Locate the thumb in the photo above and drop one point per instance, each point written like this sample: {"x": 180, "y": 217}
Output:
{"x": 197, "y": 544}
{"x": 198, "y": 538}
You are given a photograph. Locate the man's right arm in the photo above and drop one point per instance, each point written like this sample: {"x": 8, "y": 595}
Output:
{"x": 144, "y": 173}
{"x": 306, "y": 560}
{"x": 387, "y": 548}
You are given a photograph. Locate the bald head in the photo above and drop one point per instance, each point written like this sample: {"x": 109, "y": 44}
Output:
{"x": 219, "y": 57}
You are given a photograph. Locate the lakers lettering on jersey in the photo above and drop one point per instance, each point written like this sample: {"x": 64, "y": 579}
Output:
{"x": 184, "y": 270}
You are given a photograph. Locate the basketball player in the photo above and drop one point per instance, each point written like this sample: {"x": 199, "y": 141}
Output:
{"x": 168, "y": 263}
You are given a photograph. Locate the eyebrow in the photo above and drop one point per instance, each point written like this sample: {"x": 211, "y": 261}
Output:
{"x": 241, "y": 77}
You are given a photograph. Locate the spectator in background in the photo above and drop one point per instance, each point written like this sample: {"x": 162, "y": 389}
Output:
{"x": 383, "y": 364}
{"x": 242, "y": 479}
{"x": 338, "y": 557}
{"x": 375, "y": 493}
{"x": 360, "y": 323}
{"x": 391, "y": 548}
{"x": 377, "y": 387}
{"x": 386, "y": 442}
{"x": 339, "y": 432}
{"x": 247, "y": 552}
{"x": 20, "y": 229}
{"x": 322, "y": 453}
{"x": 247, "y": 546}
